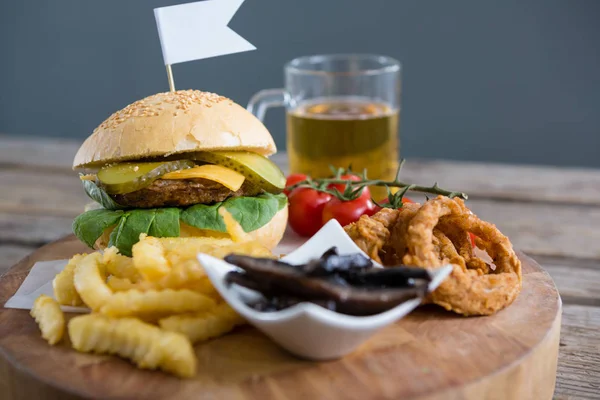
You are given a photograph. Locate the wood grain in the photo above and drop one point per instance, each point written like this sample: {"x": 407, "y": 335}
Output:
{"x": 578, "y": 375}
{"x": 34, "y": 230}
{"x": 10, "y": 254}
{"x": 545, "y": 229}
{"x": 36, "y": 151}
{"x": 576, "y": 284}
{"x": 432, "y": 354}
{"x": 41, "y": 192}
{"x": 508, "y": 181}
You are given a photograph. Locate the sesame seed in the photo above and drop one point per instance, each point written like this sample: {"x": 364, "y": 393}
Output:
{"x": 150, "y": 106}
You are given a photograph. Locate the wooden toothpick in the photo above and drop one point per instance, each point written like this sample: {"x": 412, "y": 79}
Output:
{"x": 170, "y": 76}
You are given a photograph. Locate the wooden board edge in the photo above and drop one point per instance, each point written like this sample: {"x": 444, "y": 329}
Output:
{"x": 20, "y": 384}
{"x": 539, "y": 384}
{"x": 547, "y": 348}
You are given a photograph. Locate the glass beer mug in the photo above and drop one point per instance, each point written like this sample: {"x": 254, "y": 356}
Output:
{"x": 342, "y": 110}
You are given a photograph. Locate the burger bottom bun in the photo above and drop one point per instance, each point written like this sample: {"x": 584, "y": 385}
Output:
{"x": 268, "y": 235}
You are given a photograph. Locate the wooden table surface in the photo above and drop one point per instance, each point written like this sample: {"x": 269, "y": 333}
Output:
{"x": 552, "y": 214}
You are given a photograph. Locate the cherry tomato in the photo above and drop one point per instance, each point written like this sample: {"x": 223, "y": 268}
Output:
{"x": 292, "y": 180}
{"x": 341, "y": 187}
{"x": 372, "y": 209}
{"x": 346, "y": 212}
{"x": 306, "y": 209}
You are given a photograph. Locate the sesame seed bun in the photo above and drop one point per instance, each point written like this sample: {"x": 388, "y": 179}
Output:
{"x": 268, "y": 235}
{"x": 171, "y": 123}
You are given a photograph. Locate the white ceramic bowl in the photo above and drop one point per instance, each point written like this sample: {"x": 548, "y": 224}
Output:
{"x": 307, "y": 330}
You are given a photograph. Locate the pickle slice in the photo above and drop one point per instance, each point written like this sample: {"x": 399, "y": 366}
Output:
{"x": 258, "y": 170}
{"x": 131, "y": 176}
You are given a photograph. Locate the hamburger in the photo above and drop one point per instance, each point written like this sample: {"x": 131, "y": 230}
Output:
{"x": 164, "y": 165}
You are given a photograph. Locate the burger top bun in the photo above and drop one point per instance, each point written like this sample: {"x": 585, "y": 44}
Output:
{"x": 171, "y": 123}
{"x": 268, "y": 235}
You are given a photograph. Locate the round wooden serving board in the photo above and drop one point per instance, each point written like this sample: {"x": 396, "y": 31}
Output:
{"x": 431, "y": 354}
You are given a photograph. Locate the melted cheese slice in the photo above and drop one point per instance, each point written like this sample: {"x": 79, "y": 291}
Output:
{"x": 229, "y": 178}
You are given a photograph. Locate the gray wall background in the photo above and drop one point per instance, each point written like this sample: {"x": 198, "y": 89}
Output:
{"x": 510, "y": 81}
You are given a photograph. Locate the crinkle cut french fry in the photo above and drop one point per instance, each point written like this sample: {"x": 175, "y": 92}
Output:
{"x": 187, "y": 275}
{"x": 179, "y": 277}
{"x": 168, "y": 253}
{"x": 182, "y": 273}
{"x": 205, "y": 287}
{"x": 149, "y": 258}
{"x": 145, "y": 345}
{"x": 253, "y": 249}
{"x": 117, "y": 284}
{"x": 155, "y": 302}
{"x": 206, "y": 325}
{"x": 180, "y": 249}
{"x": 119, "y": 265}
{"x": 90, "y": 277}
{"x": 64, "y": 286}
{"x": 49, "y": 317}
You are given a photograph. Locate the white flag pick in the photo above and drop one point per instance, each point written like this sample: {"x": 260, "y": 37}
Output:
{"x": 198, "y": 30}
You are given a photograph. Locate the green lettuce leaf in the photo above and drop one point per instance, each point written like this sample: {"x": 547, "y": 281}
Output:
{"x": 88, "y": 227}
{"x": 116, "y": 233}
{"x": 130, "y": 226}
{"x": 282, "y": 200}
{"x": 166, "y": 223}
{"x": 204, "y": 216}
{"x": 251, "y": 212}
{"x": 97, "y": 194}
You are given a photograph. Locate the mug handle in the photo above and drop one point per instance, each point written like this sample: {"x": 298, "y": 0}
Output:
{"x": 265, "y": 99}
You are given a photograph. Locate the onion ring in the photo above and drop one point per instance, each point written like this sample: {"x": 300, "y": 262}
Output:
{"x": 393, "y": 251}
{"x": 466, "y": 291}
{"x": 419, "y": 238}
{"x": 371, "y": 233}
{"x": 462, "y": 242}
{"x": 436, "y": 234}
{"x": 447, "y": 251}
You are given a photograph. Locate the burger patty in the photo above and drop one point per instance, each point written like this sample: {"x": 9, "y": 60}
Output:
{"x": 181, "y": 193}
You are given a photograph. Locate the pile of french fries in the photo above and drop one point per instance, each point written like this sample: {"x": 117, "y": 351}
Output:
{"x": 151, "y": 308}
